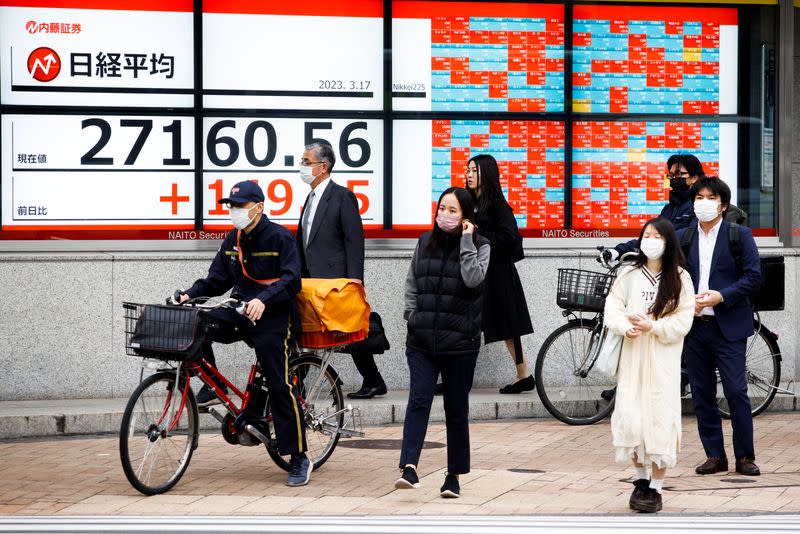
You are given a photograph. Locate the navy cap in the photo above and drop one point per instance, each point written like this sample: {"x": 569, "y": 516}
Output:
{"x": 242, "y": 193}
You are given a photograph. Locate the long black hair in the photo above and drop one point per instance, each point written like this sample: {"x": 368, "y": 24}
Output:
{"x": 488, "y": 181}
{"x": 669, "y": 289}
{"x": 467, "y": 212}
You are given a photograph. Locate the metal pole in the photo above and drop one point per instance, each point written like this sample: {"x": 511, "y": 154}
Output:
{"x": 787, "y": 224}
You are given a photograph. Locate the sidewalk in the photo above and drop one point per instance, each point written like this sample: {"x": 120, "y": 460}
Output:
{"x": 43, "y": 418}
{"x": 518, "y": 467}
{"x": 19, "y": 419}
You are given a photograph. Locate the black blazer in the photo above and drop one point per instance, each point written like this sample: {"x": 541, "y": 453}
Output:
{"x": 336, "y": 244}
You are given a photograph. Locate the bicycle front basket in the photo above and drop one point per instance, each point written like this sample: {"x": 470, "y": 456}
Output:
{"x": 164, "y": 332}
{"x": 583, "y": 290}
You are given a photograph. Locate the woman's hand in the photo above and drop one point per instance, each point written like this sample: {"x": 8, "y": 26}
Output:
{"x": 633, "y": 333}
{"x": 467, "y": 227}
{"x": 640, "y": 322}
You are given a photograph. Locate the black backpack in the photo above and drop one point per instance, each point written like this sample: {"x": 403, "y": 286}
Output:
{"x": 736, "y": 215}
{"x": 771, "y": 293}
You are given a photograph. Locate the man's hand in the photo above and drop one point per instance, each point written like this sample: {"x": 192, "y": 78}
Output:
{"x": 255, "y": 308}
{"x": 708, "y": 299}
{"x": 608, "y": 257}
{"x": 178, "y": 297}
{"x": 643, "y": 324}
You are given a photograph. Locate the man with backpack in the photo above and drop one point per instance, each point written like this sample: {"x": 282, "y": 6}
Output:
{"x": 683, "y": 170}
{"x": 723, "y": 261}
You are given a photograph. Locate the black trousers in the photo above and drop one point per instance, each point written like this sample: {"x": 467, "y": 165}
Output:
{"x": 365, "y": 363}
{"x": 270, "y": 338}
{"x": 457, "y": 373}
{"x": 706, "y": 350}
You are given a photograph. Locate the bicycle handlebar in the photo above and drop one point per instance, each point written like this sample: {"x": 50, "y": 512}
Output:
{"x": 611, "y": 263}
{"x": 198, "y": 302}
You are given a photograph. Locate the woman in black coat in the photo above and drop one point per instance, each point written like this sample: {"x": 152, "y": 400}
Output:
{"x": 505, "y": 312}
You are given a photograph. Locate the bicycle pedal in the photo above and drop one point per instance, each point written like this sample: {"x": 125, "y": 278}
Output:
{"x": 246, "y": 440}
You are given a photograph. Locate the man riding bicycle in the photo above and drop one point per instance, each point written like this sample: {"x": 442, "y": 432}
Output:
{"x": 259, "y": 260}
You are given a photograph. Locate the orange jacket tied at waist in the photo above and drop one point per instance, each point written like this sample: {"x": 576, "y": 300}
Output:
{"x": 336, "y": 304}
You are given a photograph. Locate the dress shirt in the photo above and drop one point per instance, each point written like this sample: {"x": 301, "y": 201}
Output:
{"x": 313, "y": 205}
{"x": 705, "y": 249}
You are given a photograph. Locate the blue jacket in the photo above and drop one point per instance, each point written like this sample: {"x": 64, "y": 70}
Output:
{"x": 735, "y": 314}
{"x": 268, "y": 251}
{"x": 679, "y": 211}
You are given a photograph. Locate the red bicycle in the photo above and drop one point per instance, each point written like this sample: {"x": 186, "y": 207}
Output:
{"x": 160, "y": 425}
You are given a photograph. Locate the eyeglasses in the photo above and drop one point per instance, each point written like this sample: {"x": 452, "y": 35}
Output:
{"x": 683, "y": 174}
{"x": 306, "y": 163}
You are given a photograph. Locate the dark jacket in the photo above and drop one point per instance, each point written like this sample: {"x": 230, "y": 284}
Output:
{"x": 268, "y": 251}
{"x": 734, "y": 315}
{"x": 336, "y": 245}
{"x": 679, "y": 211}
{"x": 444, "y": 311}
{"x": 505, "y": 310}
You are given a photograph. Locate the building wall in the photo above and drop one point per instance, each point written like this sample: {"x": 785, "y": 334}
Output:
{"x": 61, "y": 321}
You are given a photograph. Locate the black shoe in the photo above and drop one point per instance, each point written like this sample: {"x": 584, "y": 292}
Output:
{"x": 451, "y": 489}
{"x": 650, "y": 502}
{"x": 639, "y": 488}
{"x": 208, "y": 397}
{"x": 608, "y": 394}
{"x": 712, "y": 465}
{"x": 438, "y": 389}
{"x": 526, "y": 384}
{"x": 367, "y": 392}
{"x": 408, "y": 480}
{"x": 747, "y": 466}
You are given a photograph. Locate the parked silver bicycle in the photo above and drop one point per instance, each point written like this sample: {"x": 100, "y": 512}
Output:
{"x": 573, "y": 392}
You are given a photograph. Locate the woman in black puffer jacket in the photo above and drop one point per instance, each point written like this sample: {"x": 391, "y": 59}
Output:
{"x": 443, "y": 307}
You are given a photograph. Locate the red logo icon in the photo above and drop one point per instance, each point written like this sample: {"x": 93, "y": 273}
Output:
{"x": 32, "y": 26}
{"x": 44, "y": 64}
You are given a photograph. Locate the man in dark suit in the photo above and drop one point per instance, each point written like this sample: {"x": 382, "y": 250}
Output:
{"x": 330, "y": 237}
{"x": 723, "y": 322}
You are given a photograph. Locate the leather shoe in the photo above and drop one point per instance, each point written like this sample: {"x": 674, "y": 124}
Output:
{"x": 747, "y": 466}
{"x": 367, "y": 392}
{"x": 650, "y": 502}
{"x": 640, "y": 487}
{"x": 524, "y": 384}
{"x": 712, "y": 465}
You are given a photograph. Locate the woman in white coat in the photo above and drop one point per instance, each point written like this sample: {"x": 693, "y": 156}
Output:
{"x": 651, "y": 304}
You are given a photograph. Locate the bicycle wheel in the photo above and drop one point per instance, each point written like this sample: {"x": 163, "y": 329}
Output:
{"x": 321, "y": 397}
{"x": 158, "y": 435}
{"x": 569, "y": 391}
{"x": 763, "y": 372}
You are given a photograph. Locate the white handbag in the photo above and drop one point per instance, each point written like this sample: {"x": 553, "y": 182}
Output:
{"x": 608, "y": 359}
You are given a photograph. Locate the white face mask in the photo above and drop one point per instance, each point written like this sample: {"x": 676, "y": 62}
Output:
{"x": 706, "y": 210}
{"x": 240, "y": 217}
{"x": 307, "y": 174}
{"x": 652, "y": 247}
